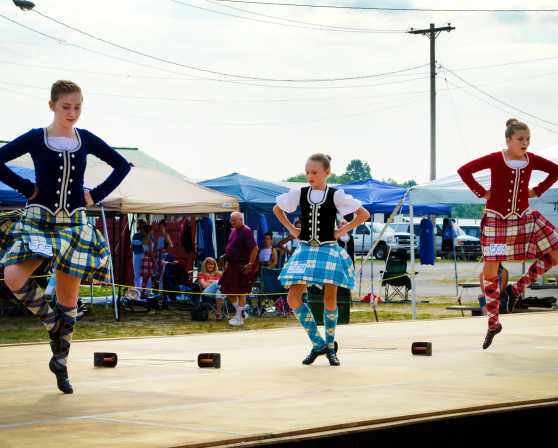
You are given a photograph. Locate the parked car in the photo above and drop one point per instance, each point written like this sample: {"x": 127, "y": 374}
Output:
{"x": 467, "y": 247}
{"x": 467, "y": 244}
{"x": 368, "y": 232}
{"x": 403, "y": 237}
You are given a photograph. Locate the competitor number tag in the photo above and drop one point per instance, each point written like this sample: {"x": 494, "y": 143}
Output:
{"x": 38, "y": 244}
{"x": 296, "y": 268}
{"x": 497, "y": 249}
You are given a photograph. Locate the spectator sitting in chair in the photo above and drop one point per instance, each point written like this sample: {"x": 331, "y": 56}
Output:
{"x": 208, "y": 279}
{"x": 267, "y": 256}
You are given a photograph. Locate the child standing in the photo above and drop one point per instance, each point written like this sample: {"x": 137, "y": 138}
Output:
{"x": 54, "y": 227}
{"x": 318, "y": 260}
{"x": 510, "y": 229}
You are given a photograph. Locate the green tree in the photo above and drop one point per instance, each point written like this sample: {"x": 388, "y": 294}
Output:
{"x": 406, "y": 184}
{"x": 297, "y": 178}
{"x": 358, "y": 170}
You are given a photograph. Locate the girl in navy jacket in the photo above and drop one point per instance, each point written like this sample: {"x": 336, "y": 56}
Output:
{"x": 53, "y": 228}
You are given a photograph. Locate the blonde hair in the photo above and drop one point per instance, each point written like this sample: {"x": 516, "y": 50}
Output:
{"x": 324, "y": 159}
{"x": 513, "y": 125}
{"x": 204, "y": 266}
{"x": 63, "y": 87}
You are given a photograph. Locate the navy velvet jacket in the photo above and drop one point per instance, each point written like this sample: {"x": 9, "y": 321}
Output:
{"x": 59, "y": 174}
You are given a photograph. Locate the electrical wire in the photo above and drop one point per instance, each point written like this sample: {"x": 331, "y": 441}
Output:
{"x": 498, "y": 100}
{"x": 380, "y": 8}
{"x": 491, "y": 104}
{"x": 292, "y": 23}
{"x": 181, "y": 74}
{"x": 216, "y": 72}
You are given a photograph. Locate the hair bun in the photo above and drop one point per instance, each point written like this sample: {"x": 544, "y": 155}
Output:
{"x": 511, "y": 122}
{"x": 328, "y": 157}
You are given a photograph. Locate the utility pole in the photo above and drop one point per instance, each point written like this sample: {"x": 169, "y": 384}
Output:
{"x": 432, "y": 34}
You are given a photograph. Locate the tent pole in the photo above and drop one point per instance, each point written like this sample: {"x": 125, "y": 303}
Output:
{"x": 372, "y": 263}
{"x": 412, "y": 252}
{"x": 111, "y": 267}
{"x": 455, "y": 262}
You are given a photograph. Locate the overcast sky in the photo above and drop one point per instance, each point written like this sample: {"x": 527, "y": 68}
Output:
{"x": 210, "y": 127}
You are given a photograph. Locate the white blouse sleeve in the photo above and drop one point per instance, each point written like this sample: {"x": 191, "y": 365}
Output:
{"x": 345, "y": 203}
{"x": 288, "y": 202}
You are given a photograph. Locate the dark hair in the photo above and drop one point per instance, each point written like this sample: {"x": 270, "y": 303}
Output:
{"x": 163, "y": 223}
{"x": 269, "y": 234}
{"x": 513, "y": 125}
{"x": 324, "y": 159}
{"x": 63, "y": 87}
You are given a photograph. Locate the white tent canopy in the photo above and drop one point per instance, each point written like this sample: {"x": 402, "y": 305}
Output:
{"x": 452, "y": 190}
{"x": 147, "y": 190}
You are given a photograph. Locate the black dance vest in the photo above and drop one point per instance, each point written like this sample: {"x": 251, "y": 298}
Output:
{"x": 318, "y": 219}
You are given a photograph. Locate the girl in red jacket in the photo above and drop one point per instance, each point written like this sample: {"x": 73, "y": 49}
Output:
{"x": 510, "y": 229}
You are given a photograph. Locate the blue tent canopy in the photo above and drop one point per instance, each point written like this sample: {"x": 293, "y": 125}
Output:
{"x": 10, "y": 197}
{"x": 256, "y": 199}
{"x": 254, "y": 195}
{"x": 380, "y": 197}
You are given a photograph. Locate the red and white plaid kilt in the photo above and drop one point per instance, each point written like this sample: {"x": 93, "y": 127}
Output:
{"x": 517, "y": 238}
{"x": 147, "y": 267}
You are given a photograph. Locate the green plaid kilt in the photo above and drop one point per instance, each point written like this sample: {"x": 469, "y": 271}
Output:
{"x": 69, "y": 242}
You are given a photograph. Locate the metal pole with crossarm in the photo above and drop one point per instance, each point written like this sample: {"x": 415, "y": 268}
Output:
{"x": 432, "y": 33}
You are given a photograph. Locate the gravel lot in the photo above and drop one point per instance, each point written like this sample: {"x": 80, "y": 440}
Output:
{"x": 438, "y": 281}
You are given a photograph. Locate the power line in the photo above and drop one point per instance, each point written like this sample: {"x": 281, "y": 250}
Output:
{"x": 505, "y": 64}
{"x": 378, "y": 8}
{"x": 215, "y": 72}
{"x": 181, "y": 74}
{"x": 219, "y": 100}
{"x": 292, "y": 23}
{"x": 485, "y": 101}
{"x": 497, "y": 99}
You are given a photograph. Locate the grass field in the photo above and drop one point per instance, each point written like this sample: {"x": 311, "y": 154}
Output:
{"x": 100, "y": 322}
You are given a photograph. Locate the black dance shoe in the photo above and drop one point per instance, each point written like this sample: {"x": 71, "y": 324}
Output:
{"x": 313, "y": 355}
{"x": 513, "y": 298}
{"x": 61, "y": 373}
{"x": 332, "y": 358}
{"x": 490, "y": 336}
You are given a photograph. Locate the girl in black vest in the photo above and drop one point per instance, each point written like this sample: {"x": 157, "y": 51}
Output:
{"x": 319, "y": 260}
{"x": 54, "y": 227}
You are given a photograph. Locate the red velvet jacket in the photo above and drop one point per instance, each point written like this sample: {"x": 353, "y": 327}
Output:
{"x": 509, "y": 189}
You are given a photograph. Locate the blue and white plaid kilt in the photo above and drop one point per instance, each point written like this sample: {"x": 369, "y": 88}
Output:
{"x": 314, "y": 266}
{"x": 70, "y": 243}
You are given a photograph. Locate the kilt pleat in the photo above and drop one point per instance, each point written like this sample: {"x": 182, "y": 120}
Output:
{"x": 315, "y": 266}
{"x": 517, "y": 237}
{"x": 69, "y": 242}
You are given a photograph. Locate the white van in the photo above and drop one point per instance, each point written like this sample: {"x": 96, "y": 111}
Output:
{"x": 368, "y": 232}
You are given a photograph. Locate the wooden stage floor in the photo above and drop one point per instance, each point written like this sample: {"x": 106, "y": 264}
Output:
{"x": 158, "y": 397}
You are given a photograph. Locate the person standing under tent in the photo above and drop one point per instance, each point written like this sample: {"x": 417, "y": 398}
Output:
{"x": 319, "y": 260}
{"x": 54, "y": 227}
{"x": 147, "y": 262}
{"x": 137, "y": 252}
{"x": 510, "y": 229}
{"x": 241, "y": 253}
